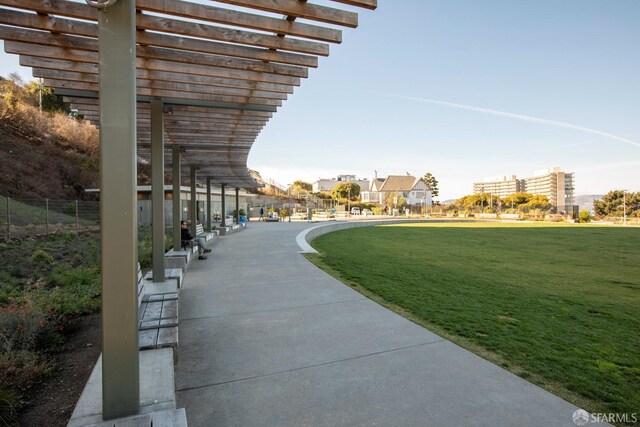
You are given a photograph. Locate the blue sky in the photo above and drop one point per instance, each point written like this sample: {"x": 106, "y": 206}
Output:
{"x": 369, "y": 106}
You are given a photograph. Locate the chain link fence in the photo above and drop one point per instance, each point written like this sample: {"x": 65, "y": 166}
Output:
{"x": 21, "y": 218}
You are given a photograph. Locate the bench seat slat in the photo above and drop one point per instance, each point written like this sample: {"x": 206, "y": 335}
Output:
{"x": 168, "y": 337}
{"x": 161, "y": 326}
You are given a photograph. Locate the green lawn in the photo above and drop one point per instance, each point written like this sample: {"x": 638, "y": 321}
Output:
{"x": 556, "y": 304}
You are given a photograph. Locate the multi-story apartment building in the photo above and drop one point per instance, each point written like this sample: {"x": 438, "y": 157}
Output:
{"x": 327, "y": 185}
{"x": 500, "y": 186}
{"x": 557, "y": 185}
{"x": 553, "y": 183}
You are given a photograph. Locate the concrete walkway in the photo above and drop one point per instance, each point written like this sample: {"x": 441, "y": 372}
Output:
{"x": 267, "y": 339}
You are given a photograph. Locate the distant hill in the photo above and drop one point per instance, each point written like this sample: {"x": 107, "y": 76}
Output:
{"x": 586, "y": 201}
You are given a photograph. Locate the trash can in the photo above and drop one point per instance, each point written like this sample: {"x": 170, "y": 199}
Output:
{"x": 309, "y": 214}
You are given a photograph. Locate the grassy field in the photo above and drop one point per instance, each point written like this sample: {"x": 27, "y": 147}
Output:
{"x": 557, "y": 304}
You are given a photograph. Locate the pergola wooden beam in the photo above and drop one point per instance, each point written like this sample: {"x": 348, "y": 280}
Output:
{"x": 180, "y": 27}
{"x": 367, "y": 4}
{"x": 241, "y": 19}
{"x": 160, "y": 85}
{"x": 235, "y": 68}
{"x": 301, "y": 9}
{"x": 242, "y": 78}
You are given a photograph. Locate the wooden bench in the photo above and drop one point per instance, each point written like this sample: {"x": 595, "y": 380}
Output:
{"x": 204, "y": 234}
{"x": 157, "y": 318}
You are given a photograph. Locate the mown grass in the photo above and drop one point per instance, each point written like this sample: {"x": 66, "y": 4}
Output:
{"x": 558, "y": 305}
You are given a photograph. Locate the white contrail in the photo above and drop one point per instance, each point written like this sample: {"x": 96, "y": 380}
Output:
{"x": 518, "y": 117}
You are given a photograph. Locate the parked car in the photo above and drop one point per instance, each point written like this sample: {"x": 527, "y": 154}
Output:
{"x": 366, "y": 212}
{"x": 355, "y": 211}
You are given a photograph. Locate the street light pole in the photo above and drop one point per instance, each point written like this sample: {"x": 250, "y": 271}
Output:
{"x": 289, "y": 207}
{"x": 624, "y": 207}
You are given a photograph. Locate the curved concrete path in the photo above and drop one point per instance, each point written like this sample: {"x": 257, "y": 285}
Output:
{"x": 267, "y": 339}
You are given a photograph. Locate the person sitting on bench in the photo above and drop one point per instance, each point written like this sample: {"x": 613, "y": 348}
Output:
{"x": 186, "y": 236}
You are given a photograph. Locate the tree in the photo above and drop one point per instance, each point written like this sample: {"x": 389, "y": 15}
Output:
{"x": 584, "y": 216}
{"x": 303, "y": 185}
{"x": 50, "y": 101}
{"x": 12, "y": 91}
{"x": 345, "y": 190}
{"x": 614, "y": 203}
{"x": 401, "y": 202}
{"x": 516, "y": 200}
{"x": 432, "y": 183}
{"x": 538, "y": 201}
{"x": 472, "y": 202}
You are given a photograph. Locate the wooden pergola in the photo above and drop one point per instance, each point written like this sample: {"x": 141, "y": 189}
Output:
{"x": 193, "y": 78}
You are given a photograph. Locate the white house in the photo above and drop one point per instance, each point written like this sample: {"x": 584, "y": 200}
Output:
{"x": 372, "y": 194}
{"x": 413, "y": 190}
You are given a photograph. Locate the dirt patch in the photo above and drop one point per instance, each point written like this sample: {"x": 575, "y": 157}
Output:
{"x": 51, "y": 402}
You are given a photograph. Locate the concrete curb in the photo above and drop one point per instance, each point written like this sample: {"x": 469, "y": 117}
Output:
{"x": 306, "y": 236}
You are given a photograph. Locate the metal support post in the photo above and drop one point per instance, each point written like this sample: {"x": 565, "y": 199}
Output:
{"x": 237, "y": 205}
{"x": 177, "y": 208}
{"x": 193, "y": 205}
{"x": 118, "y": 210}
{"x": 209, "y": 203}
{"x": 157, "y": 190}
{"x": 223, "y": 214}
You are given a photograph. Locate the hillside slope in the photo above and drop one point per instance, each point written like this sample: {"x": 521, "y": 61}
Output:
{"x": 34, "y": 167}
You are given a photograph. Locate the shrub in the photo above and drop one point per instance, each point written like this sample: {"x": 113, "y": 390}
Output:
{"x": 8, "y": 287}
{"x": 19, "y": 327}
{"x": 41, "y": 257}
{"x": 377, "y": 210}
{"x": 76, "y": 292}
{"x": 144, "y": 252}
{"x": 584, "y": 216}
{"x": 8, "y": 404}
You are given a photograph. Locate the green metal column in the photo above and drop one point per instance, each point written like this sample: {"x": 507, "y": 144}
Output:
{"x": 177, "y": 208}
{"x": 223, "y": 216}
{"x": 209, "y": 203}
{"x": 194, "y": 205}
{"x": 237, "y": 205}
{"x": 118, "y": 210}
{"x": 157, "y": 189}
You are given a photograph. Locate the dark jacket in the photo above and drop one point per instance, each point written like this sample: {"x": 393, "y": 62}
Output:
{"x": 185, "y": 235}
